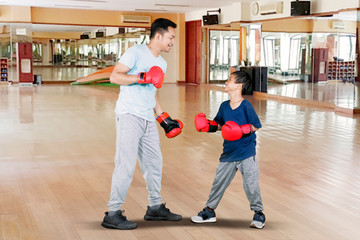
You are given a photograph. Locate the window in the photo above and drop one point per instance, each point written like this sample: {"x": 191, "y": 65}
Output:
{"x": 234, "y": 51}
{"x": 226, "y": 50}
{"x": 294, "y": 57}
{"x": 346, "y": 47}
{"x": 269, "y": 51}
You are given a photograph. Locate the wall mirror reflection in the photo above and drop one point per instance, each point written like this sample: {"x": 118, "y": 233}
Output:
{"x": 313, "y": 58}
{"x": 65, "y": 53}
{"x": 224, "y": 53}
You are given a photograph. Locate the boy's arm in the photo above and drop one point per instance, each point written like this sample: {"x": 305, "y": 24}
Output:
{"x": 253, "y": 128}
{"x": 202, "y": 124}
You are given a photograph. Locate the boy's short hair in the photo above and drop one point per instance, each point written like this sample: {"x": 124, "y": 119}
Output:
{"x": 161, "y": 25}
{"x": 244, "y": 78}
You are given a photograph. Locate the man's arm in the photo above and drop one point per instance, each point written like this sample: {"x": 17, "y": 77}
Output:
{"x": 119, "y": 75}
{"x": 171, "y": 126}
{"x": 157, "y": 109}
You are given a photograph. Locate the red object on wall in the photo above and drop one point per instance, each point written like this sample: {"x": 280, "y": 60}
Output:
{"x": 319, "y": 64}
{"x": 193, "y": 52}
{"x": 24, "y": 62}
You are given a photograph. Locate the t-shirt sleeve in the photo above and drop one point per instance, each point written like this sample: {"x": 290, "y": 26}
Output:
{"x": 252, "y": 116}
{"x": 219, "y": 116}
{"x": 129, "y": 57}
{"x": 165, "y": 67}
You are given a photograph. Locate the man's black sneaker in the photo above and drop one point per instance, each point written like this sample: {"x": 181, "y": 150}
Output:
{"x": 207, "y": 215}
{"x": 161, "y": 213}
{"x": 258, "y": 220}
{"x": 117, "y": 221}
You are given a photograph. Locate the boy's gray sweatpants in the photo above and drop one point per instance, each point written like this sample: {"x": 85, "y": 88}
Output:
{"x": 225, "y": 173}
{"x": 136, "y": 138}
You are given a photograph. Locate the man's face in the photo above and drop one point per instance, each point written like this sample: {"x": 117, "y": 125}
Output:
{"x": 167, "y": 40}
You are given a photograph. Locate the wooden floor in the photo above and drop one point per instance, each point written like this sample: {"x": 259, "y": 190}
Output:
{"x": 57, "y": 145}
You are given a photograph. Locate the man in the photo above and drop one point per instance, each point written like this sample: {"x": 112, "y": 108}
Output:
{"x": 140, "y": 72}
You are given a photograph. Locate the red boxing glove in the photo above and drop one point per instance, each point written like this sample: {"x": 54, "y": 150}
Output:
{"x": 155, "y": 76}
{"x": 204, "y": 125}
{"x": 172, "y": 127}
{"x": 231, "y": 131}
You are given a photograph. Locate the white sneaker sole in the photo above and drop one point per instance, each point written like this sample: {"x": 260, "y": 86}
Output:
{"x": 198, "y": 219}
{"x": 257, "y": 224}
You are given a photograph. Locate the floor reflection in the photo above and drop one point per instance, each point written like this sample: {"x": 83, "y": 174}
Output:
{"x": 56, "y": 73}
{"x": 344, "y": 95}
{"x": 341, "y": 94}
{"x": 26, "y": 104}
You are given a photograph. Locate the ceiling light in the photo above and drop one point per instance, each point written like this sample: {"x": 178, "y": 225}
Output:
{"x": 171, "y": 5}
{"x": 71, "y": 6}
{"x": 104, "y": 1}
{"x": 150, "y": 10}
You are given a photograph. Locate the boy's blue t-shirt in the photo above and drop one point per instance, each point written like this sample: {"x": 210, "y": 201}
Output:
{"x": 245, "y": 147}
{"x": 139, "y": 99}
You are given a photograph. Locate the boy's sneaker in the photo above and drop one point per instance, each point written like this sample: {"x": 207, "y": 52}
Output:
{"x": 161, "y": 213}
{"x": 117, "y": 221}
{"x": 207, "y": 215}
{"x": 258, "y": 220}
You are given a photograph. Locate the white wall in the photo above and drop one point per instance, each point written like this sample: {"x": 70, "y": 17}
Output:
{"x": 46, "y": 52}
{"x": 229, "y": 13}
{"x": 172, "y": 71}
{"x": 242, "y": 11}
{"x": 318, "y": 6}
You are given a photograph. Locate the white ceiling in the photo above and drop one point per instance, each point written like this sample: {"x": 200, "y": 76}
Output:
{"x": 180, "y": 6}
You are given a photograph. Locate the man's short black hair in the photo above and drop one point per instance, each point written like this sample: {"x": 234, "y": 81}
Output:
{"x": 161, "y": 25}
{"x": 242, "y": 77}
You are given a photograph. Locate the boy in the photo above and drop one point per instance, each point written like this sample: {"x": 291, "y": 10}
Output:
{"x": 238, "y": 121}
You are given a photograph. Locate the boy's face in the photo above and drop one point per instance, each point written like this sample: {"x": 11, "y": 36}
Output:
{"x": 231, "y": 85}
{"x": 167, "y": 40}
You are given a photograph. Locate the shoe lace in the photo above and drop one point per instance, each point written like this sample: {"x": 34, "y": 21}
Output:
{"x": 165, "y": 208}
{"x": 122, "y": 216}
{"x": 259, "y": 216}
{"x": 203, "y": 212}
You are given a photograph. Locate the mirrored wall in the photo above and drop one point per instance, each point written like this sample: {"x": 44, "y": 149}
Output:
{"x": 224, "y": 53}
{"x": 65, "y": 53}
{"x": 312, "y": 57}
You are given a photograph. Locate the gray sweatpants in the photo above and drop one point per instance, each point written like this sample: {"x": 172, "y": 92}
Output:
{"x": 136, "y": 138}
{"x": 225, "y": 173}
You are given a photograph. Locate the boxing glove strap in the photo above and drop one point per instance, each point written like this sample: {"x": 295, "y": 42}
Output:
{"x": 162, "y": 117}
{"x": 213, "y": 126}
{"x": 246, "y": 129}
{"x": 140, "y": 78}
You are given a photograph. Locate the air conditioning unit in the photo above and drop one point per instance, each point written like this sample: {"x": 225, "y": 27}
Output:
{"x": 271, "y": 8}
{"x": 99, "y": 34}
{"x": 338, "y": 25}
{"x": 84, "y": 36}
{"x": 135, "y": 19}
